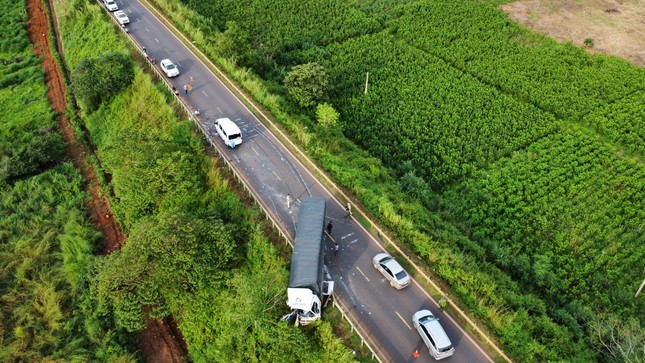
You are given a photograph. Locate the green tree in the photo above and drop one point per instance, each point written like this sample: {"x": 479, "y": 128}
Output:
{"x": 164, "y": 259}
{"x": 619, "y": 339}
{"x": 96, "y": 80}
{"x": 307, "y": 84}
{"x": 326, "y": 114}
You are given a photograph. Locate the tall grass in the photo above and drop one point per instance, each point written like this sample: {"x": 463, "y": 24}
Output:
{"x": 45, "y": 259}
{"x": 46, "y": 235}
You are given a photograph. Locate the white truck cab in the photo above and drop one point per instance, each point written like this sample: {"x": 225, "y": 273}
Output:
{"x": 308, "y": 303}
{"x": 229, "y": 132}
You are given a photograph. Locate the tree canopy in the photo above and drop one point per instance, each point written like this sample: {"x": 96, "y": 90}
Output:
{"x": 99, "y": 79}
{"x": 307, "y": 84}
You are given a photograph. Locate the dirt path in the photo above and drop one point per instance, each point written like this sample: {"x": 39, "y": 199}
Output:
{"x": 616, "y": 27}
{"x": 158, "y": 340}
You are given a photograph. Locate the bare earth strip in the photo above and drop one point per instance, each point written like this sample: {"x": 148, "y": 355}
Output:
{"x": 616, "y": 27}
{"x": 158, "y": 341}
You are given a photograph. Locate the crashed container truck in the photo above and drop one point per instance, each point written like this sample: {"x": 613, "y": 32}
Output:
{"x": 308, "y": 291}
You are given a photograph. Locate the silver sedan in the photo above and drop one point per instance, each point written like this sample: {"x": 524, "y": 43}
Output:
{"x": 392, "y": 270}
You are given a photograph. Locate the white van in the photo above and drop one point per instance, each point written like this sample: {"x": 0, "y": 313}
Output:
{"x": 432, "y": 334}
{"x": 229, "y": 132}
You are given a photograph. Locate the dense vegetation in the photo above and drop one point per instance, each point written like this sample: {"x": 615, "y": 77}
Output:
{"x": 569, "y": 204}
{"x": 487, "y": 125}
{"x": 489, "y": 130}
{"x": 28, "y": 141}
{"x": 46, "y": 313}
{"x": 193, "y": 249}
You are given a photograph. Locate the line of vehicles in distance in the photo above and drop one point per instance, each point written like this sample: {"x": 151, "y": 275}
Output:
{"x": 308, "y": 290}
{"x": 120, "y": 15}
{"x": 227, "y": 130}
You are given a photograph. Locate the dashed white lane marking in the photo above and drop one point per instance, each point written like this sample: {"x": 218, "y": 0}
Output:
{"x": 359, "y": 270}
{"x": 403, "y": 320}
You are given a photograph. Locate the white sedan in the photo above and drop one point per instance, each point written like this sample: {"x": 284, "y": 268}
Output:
{"x": 111, "y": 5}
{"x": 169, "y": 68}
{"x": 392, "y": 271}
{"x": 122, "y": 17}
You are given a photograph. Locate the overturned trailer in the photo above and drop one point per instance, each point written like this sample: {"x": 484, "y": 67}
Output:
{"x": 308, "y": 291}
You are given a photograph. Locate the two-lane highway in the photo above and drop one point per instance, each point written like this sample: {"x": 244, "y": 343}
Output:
{"x": 272, "y": 171}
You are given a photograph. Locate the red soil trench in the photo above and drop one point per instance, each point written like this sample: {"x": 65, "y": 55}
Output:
{"x": 158, "y": 341}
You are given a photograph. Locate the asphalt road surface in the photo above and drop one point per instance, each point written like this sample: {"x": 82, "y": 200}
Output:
{"x": 383, "y": 313}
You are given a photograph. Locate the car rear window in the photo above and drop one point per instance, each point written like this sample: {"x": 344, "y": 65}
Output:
{"x": 401, "y": 275}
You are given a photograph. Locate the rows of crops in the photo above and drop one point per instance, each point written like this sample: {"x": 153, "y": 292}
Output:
{"x": 273, "y": 31}
{"x": 552, "y": 214}
{"x": 623, "y": 122}
{"x": 559, "y": 78}
{"x": 418, "y": 108}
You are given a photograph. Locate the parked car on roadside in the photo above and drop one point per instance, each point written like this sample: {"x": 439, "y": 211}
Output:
{"x": 169, "y": 68}
{"x": 392, "y": 270}
{"x": 111, "y": 5}
{"x": 432, "y": 334}
{"x": 122, "y": 17}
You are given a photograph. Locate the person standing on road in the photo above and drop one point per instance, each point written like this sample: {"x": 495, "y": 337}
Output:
{"x": 348, "y": 211}
{"x": 336, "y": 248}
{"x": 189, "y": 87}
{"x": 186, "y": 89}
{"x": 329, "y": 228}
{"x": 288, "y": 201}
